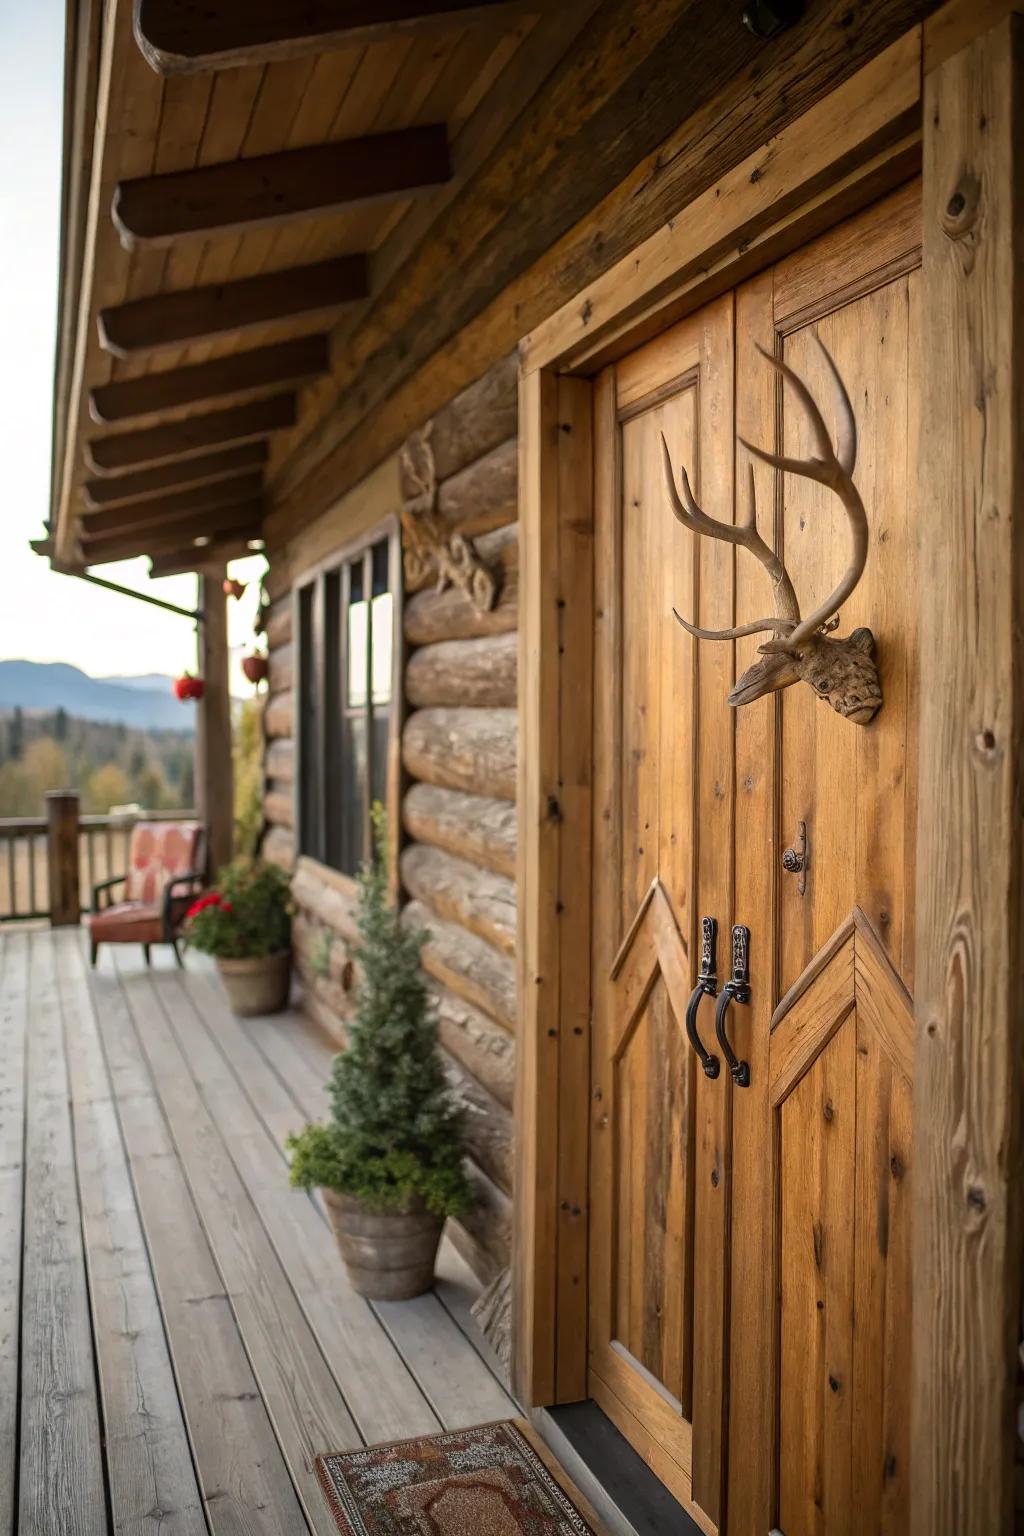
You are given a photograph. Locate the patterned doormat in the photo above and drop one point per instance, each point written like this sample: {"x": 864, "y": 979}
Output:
{"x": 485, "y": 1481}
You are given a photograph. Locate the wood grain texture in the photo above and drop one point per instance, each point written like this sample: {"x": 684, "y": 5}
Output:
{"x": 466, "y": 964}
{"x": 148, "y": 1457}
{"x": 482, "y": 902}
{"x": 61, "y": 1481}
{"x": 477, "y": 419}
{"x": 467, "y": 749}
{"x": 969, "y": 1094}
{"x": 131, "y": 516}
{"x": 431, "y": 615}
{"x": 473, "y": 827}
{"x": 483, "y": 495}
{"x": 180, "y": 439}
{"x": 479, "y": 672}
{"x": 204, "y": 469}
{"x": 485, "y": 1048}
{"x": 183, "y": 388}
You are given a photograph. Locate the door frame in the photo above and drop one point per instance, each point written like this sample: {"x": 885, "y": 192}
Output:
{"x": 858, "y": 143}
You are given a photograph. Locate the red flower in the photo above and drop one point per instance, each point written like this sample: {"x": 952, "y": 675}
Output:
{"x": 211, "y": 899}
{"x": 225, "y": 906}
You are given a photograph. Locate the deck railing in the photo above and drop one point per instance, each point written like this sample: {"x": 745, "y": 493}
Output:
{"x": 26, "y": 848}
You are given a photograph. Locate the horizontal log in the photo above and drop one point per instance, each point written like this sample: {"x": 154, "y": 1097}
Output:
{"x": 208, "y": 469}
{"x": 279, "y": 761}
{"x": 488, "y": 1125}
{"x": 466, "y": 964}
{"x": 272, "y": 189}
{"x": 484, "y": 495}
{"x": 479, "y": 672}
{"x": 330, "y": 902}
{"x": 478, "y": 900}
{"x": 282, "y": 669}
{"x": 278, "y": 847}
{"x": 286, "y": 362}
{"x": 178, "y": 37}
{"x": 484, "y": 1235}
{"x": 279, "y": 715}
{"x": 329, "y": 957}
{"x": 485, "y": 1048}
{"x": 156, "y": 509}
{"x": 473, "y": 827}
{"x": 279, "y": 808}
{"x": 478, "y": 419}
{"x": 470, "y": 749}
{"x": 242, "y": 519}
{"x": 180, "y": 439}
{"x": 431, "y": 615}
{"x": 279, "y": 623}
{"x": 168, "y": 319}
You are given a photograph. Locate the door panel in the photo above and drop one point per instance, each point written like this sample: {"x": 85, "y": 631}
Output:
{"x": 660, "y": 1152}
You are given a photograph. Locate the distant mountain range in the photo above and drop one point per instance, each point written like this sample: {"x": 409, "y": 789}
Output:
{"x": 143, "y": 702}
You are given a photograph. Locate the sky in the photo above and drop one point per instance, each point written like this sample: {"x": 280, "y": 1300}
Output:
{"x": 45, "y": 616}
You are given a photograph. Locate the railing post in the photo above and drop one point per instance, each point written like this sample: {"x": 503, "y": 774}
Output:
{"x": 214, "y": 768}
{"x": 62, "y": 859}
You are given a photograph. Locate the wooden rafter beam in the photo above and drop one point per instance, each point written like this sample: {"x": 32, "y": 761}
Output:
{"x": 271, "y": 189}
{"x": 180, "y": 439}
{"x": 184, "y": 36}
{"x": 287, "y": 362}
{"x": 182, "y": 562}
{"x": 169, "y": 319}
{"x": 157, "y": 509}
{"x": 207, "y": 469}
{"x": 243, "y": 521}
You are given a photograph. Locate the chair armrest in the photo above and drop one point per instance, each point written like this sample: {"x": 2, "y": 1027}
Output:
{"x": 105, "y": 886}
{"x": 191, "y": 877}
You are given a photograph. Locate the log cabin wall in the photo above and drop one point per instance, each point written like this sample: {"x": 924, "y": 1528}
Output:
{"x": 457, "y": 814}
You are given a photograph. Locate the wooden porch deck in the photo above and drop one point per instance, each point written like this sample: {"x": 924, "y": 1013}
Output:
{"x": 177, "y": 1337}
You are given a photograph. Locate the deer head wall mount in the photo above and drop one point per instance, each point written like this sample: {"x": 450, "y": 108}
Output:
{"x": 841, "y": 670}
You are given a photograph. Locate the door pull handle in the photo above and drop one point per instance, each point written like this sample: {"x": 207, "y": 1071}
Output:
{"x": 707, "y": 986}
{"x": 735, "y": 990}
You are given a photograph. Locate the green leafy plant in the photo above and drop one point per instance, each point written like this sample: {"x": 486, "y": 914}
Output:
{"x": 247, "y": 916}
{"x": 396, "y": 1133}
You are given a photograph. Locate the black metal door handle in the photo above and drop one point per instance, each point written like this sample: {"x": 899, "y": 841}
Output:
{"x": 707, "y": 986}
{"x": 736, "y": 989}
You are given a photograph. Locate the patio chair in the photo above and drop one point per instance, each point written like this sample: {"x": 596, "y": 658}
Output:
{"x": 164, "y": 876}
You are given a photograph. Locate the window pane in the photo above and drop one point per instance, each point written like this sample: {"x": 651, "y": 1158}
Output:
{"x": 309, "y": 733}
{"x": 381, "y": 561}
{"x": 331, "y": 756}
{"x": 355, "y": 693}
{"x": 353, "y": 794}
{"x": 381, "y": 736}
{"x": 383, "y": 627}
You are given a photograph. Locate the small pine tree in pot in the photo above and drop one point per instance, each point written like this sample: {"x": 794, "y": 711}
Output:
{"x": 390, "y": 1162}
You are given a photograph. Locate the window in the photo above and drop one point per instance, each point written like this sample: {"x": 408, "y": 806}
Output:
{"x": 347, "y": 727}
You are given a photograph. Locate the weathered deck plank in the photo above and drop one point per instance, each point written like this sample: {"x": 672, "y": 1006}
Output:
{"x": 13, "y": 1016}
{"x": 242, "y": 1473}
{"x": 308, "y": 1410}
{"x": 453, "y": 1379}
{"x": 152, "y": 1481}
{"x": 61, "y": 1481}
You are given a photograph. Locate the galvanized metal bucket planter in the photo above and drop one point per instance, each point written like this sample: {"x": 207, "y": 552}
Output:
{"x": 389, "y": 1255}
{"x": 257, "y": 986}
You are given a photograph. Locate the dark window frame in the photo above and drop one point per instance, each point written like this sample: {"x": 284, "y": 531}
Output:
{"x": 320, "y": 599}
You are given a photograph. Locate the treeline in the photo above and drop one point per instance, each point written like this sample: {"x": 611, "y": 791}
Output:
{"x": 108, "y": 765}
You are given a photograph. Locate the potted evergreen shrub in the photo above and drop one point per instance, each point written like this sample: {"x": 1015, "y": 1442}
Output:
{"x": 245, "y": 923}
{"x": 389, "y": 1163}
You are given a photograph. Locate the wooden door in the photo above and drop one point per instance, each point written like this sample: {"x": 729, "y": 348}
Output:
{"x": 819, "y": 1365}
{"x": 660, "y": 1166}
{"x": 749, "y": 1261}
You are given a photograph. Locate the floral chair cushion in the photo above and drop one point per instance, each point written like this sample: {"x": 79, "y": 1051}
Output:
{"x": 159, "y": 851}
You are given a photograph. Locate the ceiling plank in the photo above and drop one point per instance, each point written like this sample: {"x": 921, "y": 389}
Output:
{"x": 242, "y": 373}
{"x": 156, "y": 509}
{"x": 180, "y": 439}
{"x": 169, "y": 319}
{"x": 271, "y": 189}
{"x": 208, "y": 469}
{"x": 184, "y": 36}
{"x": 243, "y": 521}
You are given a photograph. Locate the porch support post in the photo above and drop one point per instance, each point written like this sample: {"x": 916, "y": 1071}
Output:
{"x": 214, "y": 769}
{"x": 62, "y": 859}
{"x": 968, "y": 1172}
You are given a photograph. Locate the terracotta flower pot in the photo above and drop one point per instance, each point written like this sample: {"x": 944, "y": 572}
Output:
{"x": 256, "y": 668}
{"x": 257, "y": 986}
{"x": 389, "y": 1255}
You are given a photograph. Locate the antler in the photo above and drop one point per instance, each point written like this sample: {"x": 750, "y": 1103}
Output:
{"x": 834, "y": 469}
{"x": 787, "y": 609}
